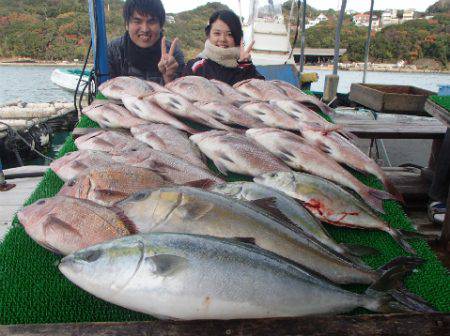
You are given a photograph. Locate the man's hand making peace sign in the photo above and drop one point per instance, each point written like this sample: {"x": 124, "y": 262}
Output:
{"x": 168, "y": 65}
{"x": 244, "y": 53}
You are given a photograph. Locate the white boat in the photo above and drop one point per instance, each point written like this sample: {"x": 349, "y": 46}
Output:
{"x": 68, "y": 78}
{"x": 266, "y": 26}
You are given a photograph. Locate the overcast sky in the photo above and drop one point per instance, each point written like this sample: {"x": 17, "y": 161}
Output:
{"x": 175, "y": 6}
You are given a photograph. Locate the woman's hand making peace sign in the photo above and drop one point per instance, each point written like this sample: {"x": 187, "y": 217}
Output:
{"x": 244, "y": 53}
{"x": 168, "y": 65}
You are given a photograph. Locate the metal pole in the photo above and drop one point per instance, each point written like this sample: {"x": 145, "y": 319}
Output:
{"x": 303, "y": 38}
{"x": 337, "y": 39}
{"x": 367, "y": 47}
{"x": 99, "y": 41}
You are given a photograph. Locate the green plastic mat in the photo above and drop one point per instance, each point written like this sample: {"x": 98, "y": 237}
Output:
{"x": 32, "y": 290}
{"x": 443, "y": 101}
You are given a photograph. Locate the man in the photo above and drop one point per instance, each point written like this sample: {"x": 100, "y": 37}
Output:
{"x": 143, "y": 50}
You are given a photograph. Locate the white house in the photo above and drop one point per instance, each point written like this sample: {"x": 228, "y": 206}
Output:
{"x": 362, "y": 20}
{"x": 408, "y": 15}
{"x": 389, "y": 17}
{"x": 316, "y": 21}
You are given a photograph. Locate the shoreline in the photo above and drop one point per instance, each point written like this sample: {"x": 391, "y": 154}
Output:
{"x": 307, "y": 67}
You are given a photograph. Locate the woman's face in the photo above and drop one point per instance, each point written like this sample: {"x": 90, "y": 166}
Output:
{"x": 220, "y": 35}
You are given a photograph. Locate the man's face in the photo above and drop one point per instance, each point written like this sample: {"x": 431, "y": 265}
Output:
{"x": 144, "y": 30}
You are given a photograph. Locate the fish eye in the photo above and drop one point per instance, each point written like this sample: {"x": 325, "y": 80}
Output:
{"x": 139, "y": 196}
{"x": 40, "y": 202}
{"x": 91, "y": 256}
{"x": 272, "y": 174}
{"x": 71, "y": 183}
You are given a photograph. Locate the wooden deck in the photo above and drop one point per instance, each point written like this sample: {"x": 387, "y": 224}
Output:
{"x": 12, "y": 200}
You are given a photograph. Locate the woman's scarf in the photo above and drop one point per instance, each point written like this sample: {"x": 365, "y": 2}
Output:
{"x": 228, "y": 57}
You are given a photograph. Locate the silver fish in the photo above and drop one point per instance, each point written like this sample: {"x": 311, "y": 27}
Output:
{"x": 329, "y": 202}
{"x": 183, "y": 209}
{"x": 191, "y": 277}
{"x": 236, "y": 153}
{"x": 271, "y": 115}
{"x": 298, "y": 154}
{"x": 270, "y": 199}
{"x": 168, "y": 139}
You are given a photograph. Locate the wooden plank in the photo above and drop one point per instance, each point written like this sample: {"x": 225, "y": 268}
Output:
{"x": 438, "y": 112}
{"x": 376, "y": 130}
{"x": 364, "y": 325}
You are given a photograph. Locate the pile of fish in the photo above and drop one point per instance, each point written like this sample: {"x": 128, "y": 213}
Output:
{"x": 145, "y": 224}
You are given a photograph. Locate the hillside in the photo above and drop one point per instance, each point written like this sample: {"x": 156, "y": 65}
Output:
{"x": 55, "y": 30}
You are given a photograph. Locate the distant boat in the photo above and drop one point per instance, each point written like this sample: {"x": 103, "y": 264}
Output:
{"x": 68, "y": 78}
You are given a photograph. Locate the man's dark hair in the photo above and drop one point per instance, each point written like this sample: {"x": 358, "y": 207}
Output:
{"x": 232, "y": 21}
{"x": 144, "y": 7}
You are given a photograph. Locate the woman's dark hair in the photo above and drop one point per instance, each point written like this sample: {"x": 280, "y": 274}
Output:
{"x": 232, "y": 21}
{"x": 153, "y": 8}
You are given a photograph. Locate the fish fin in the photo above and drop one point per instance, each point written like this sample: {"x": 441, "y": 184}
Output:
{"x": 324, "y": 148}
{"x": 393, "y": 273}
{"x": 194, "y": 211}
{"x": 393, "y": 190}
{"x": 375, "y": 197}
{"x": 157, "y": 139}
{"x": 165, "y": 264}
{"x": 412, "y": 301}
{"x": 382, "y": 303}
{"x": 201, "y": 184}
{"x": 411, "y": 234}
{"x": 53, "y": 223}
{"x": 400, "y": 239}
{"x": 246, "y": 240}
{"x": 129, "y": 224}
{"x": 221, "y": 167}
{"x": 359, "y": 250}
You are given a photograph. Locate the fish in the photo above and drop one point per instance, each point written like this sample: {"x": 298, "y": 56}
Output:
{"x": 260, "y": 89}
{"x": 330, "y": 203}
{"x": 344, "y": 151}
{"x": 271, "y": 199}
{"x": 74, "y": 163}
{"x": 64, "y": 225}
{"x": 230, "y": 92}
{"x": 236, "y": 153}
{"x": 185, "y": 209}
{"x": 308, "y": 117}
{"x": 118, "y": 87}
{"x": 168, "y": 139}
{"x": 109, "y": 115}
{"x": 295, "y": 93}
{"x": 175, "y": 169}
{"x": 110, "y": 184}
{"x": 196, "y": 88}
{"x": 108, "y": 141}
{"x": 298, "y": 154}
{"x": 271, "y": 116}
{"x": 147, "y": 110}
{"x": 230, "y": 114}
{"x": 192, "y": 277}
{"x": 181, "y": 107}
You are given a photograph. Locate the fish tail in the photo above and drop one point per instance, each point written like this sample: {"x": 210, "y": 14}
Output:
{"x": 383, "y": 303}
{"x": 400, "y": 239}
{"x": 374, "y": 198}
{"x": 393, "y": 273}
{"x": 412, "y": 301}
{"x": 392, "y": 189}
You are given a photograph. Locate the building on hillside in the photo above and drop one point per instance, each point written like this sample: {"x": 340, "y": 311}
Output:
{"x": 362, "y": 20}
{"x": 170, "y": 19}
{"x": 389, "y": 17}
{"x": 321, "y": 18}
{"x": 408, "y": 15}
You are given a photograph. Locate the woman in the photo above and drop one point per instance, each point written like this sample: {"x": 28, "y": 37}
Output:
{"x": 224, "y": 57}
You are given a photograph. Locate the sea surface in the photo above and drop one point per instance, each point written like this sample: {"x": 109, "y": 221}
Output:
{"x": 33, "y": 84}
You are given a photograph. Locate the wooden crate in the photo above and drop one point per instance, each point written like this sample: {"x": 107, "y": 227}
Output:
{"x": 390, "y": 98}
